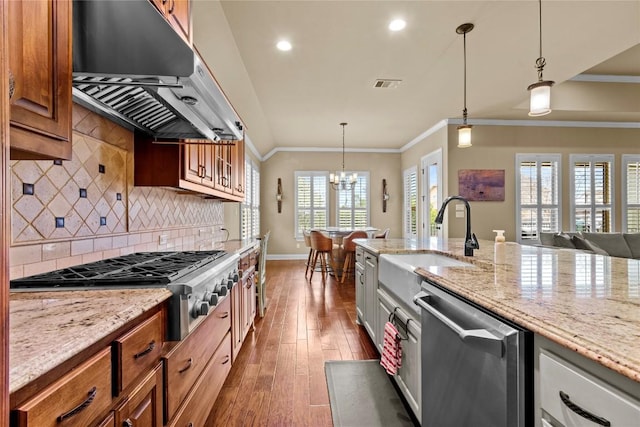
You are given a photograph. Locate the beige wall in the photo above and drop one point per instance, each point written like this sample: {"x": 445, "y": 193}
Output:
{"x": 284, "y": 164}
{"x": 494, "y": 147}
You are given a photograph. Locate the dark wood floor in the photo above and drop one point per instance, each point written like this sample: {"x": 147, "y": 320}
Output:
{"x": 278, "y": 377}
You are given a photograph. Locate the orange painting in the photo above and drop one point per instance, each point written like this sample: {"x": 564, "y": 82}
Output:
{"x": 481, "y": 184}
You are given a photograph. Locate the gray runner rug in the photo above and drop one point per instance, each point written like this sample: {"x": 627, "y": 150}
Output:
{"x": 361, "y": 394}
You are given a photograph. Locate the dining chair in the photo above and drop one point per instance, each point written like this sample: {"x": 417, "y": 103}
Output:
{"x": 307, "y": 242}
{"x": 382, "y": 235}
{"x": 350, "y": 250}
{"x": 322, "y": 245}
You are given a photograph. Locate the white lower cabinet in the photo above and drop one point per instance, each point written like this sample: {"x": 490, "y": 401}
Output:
{"x": 366, "y": 290}
{"x": 409, "y": 376}
{"x": 360, "y": 301}
{"x": 572, "y": 397}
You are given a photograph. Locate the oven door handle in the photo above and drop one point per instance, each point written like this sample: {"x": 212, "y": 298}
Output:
{"x": 481, "y": 339}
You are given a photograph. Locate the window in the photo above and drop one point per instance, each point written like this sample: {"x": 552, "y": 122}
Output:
{"x": 592, "y": 193}
{"x": 251, "y": 206}
{"x": 410, "y": 216}
{"x": 538, "y": 195}
{"x": 312, "y": 207}
{"x": 353, "y": 205}
{"x": 631, "y": 193}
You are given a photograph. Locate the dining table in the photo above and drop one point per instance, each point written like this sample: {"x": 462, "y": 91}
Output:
{"x": 337, "y": 234}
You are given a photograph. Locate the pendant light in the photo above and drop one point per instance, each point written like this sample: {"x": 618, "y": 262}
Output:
{"x": 464, "y": 131}
{"x": 540, "y": 103}
{"x": 339, "y": 180}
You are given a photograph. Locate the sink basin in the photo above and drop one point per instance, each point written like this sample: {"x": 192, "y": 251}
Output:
{"x": 395, "y": 273}
{"x": 412, "y": 261}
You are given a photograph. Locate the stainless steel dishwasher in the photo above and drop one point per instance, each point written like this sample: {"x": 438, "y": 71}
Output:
{"x": 477, "y": 369}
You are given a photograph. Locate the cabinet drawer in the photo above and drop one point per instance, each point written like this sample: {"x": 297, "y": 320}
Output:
{"x": 76, "y": 399}
{"x": 184, "y": 364}
{"x": 359, "y": 255}
{"x": 584, "y": 390}
{"x": 138, "y": 351}
{"x": 197, "y": 406}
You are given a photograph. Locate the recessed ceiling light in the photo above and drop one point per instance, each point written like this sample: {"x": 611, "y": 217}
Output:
{"x": 397, "y": 25}
{"x": 283, "y": 45}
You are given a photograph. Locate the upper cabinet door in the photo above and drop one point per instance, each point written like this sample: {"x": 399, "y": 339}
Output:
{"x": 40, "y": 61}
{"x": 178, "y": 13}
{"x": 179, "y": 16}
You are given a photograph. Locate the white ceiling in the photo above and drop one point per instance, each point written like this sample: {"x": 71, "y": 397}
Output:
{"x": 298, "y": 98}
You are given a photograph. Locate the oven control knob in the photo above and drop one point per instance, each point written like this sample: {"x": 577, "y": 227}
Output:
{"x": 222, "y": 290}
{"x": 211, "y": 298}
{"x": 230, "y": 283}
{"x": 200, "y": 308}
{"x": 236, "y": 277}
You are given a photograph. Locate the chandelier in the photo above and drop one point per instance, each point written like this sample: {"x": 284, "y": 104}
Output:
{"x": 340, "y": 180}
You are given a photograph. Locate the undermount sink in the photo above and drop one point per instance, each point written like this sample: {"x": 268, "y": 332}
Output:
{"x": 412, "y": 261}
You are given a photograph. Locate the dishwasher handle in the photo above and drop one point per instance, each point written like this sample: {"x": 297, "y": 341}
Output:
{"x": 481, "y": 339}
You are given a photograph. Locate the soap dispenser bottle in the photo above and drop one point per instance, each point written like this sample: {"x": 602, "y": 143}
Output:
{"x": 499, "y": 247}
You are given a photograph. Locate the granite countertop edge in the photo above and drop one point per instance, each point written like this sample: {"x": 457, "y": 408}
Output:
{"x": 49, "y": 328}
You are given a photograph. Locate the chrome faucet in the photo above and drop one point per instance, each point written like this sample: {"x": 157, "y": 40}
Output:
{"x": 470, "y": 241}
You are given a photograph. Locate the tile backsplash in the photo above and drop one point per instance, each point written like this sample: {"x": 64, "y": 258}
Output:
{"x": 87, "y": 208}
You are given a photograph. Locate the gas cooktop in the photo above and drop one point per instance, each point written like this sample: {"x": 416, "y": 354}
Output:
{"x": 137, "y": 269}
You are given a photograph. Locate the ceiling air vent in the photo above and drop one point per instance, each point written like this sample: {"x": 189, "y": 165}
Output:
{"x": 387, "y": 83}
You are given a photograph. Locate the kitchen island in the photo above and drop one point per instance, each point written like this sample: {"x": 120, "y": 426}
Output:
{"x": 587, "y": 303}
{"x": 583, "y": 310}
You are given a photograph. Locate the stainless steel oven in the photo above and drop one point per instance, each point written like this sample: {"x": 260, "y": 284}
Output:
{"x": 476, "y": 367}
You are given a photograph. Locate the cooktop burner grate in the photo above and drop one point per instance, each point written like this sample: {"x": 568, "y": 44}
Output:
{"x": 137, "y": 269}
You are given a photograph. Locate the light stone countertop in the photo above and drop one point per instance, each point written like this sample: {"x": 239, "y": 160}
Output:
{"x": 587, "y": 303}
{"x": 48, "y": 328}
{"x": 238, "y": 246}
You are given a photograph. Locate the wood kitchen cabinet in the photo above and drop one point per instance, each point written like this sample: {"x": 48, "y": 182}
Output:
{"x": 186, "y": 362}
{"x": 206, "y": 169}
{"x": 76, "y": 399}
{"x": 178, "y": 14}
{"x": 238, "y": 169}
{"x": 40, "y": 61}
{"x": 244, "y": 301}
{"x": 120, "y": 381}
{"x": 143, "y": 407}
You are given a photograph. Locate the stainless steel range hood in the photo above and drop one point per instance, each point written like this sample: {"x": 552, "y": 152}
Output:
{"x": 131, "y": 66}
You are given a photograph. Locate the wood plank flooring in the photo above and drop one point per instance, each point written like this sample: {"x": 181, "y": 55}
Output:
{"x": 278, "y": 377}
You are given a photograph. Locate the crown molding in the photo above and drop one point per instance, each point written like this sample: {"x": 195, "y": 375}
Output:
{"x": 329, "y": 150}
{"x": 605, "y": 78}
{"x": 433, "y": 129}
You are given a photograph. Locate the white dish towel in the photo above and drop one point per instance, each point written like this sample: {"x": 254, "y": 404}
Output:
{"x": 391, "y": 359}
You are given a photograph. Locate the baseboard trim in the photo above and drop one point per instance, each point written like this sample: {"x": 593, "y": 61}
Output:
{"x": 282, "y": 257}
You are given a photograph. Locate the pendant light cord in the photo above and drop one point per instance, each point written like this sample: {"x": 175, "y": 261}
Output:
{"x": 464, "y": 111}
{"x": 540, "y": 62}
{"x": 343, "y": 125}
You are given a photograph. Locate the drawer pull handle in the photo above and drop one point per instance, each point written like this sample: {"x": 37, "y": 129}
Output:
{"x": 583, "y": 413}
{"x": 226, "y": 360}
{"x": 189, "y": 363}
{"x": 146, "y": 351}
{"x": 90, "y": 396}
{"x": 127, "y": 423}
{"x": 224, "y": 315}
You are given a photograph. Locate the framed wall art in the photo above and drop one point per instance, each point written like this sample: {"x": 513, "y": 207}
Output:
{"x": 481, "y": 184}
